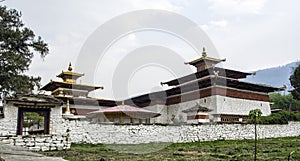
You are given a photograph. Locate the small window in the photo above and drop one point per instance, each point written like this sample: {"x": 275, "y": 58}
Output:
{"x": 127, "y": 120}
{"x": 116, "y": 120}
{"x": 136, "y": 120}
{"x": 204, "y": 100}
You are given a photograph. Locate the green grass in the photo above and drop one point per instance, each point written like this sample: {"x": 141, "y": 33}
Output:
{"x": 268, "y": 149}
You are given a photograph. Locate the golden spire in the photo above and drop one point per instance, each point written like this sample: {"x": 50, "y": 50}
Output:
{"x": 70, "y": 67}
{"x": 204, "y": 52}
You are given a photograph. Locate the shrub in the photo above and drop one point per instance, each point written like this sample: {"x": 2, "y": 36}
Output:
{"x": 279, "y": 118}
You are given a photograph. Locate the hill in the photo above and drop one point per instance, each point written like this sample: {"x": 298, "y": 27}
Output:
{"x": 276, "y": 76}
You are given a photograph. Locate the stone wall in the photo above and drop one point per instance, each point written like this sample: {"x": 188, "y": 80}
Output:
{"x": 38, "y": 142}
{"x": 85, "y": 132}
{"x": 8, "y": 124}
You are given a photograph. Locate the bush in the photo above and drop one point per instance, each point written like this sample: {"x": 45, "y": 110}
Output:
{"x": 279, "y": 118}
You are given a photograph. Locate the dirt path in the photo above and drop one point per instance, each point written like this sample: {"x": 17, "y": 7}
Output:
{"x": 12, "y": 153}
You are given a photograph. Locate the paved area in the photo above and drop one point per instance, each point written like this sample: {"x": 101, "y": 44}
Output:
{"x": 12, "y": 153}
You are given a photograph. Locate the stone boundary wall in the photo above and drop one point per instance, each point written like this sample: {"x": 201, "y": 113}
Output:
{"x": 75, "y": 131}
{"x": 85, "y": 132}
{"x": 38, "y": 142}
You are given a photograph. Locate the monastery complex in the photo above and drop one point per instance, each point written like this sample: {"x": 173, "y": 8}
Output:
{"x": 212, "y": 94}
{"x": 196, "y": 107}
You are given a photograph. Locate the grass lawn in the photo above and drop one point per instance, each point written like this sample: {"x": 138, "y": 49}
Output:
{"x": 268, "y": 149}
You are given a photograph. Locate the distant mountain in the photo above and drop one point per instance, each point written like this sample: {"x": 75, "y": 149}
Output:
{"x": 277, "y": 76}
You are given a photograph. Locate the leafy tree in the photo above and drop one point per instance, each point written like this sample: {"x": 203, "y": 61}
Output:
{"x": 285, "y": 102}
{"x": 295, "y": 82}
{"x": 17, "y": 47}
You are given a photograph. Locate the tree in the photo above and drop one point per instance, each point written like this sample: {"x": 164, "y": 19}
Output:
{"x": 254, "y": 115}
{"x": 18, "y": 44}
{"x": 295, "y": 82}
{"x": 285, "y": 102}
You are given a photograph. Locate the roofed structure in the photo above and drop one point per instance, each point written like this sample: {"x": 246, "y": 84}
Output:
{"x": 229, "y": 98}
{"x": 71, "y": 92}
{"x": 123, "y": 114}
{"x": 205, "y": 62}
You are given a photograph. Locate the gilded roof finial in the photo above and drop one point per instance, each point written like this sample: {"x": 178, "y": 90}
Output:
{"x": 204, "y": 52}
{"x": 70, "y": 67}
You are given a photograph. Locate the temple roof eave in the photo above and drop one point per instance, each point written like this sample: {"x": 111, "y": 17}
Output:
{"x": 63, "y": 73}
{"x": 88, "y": 101}
{"x": 224, "y": 72}
{"x": 53, "y": 85}
{"x": 205, "y": 59}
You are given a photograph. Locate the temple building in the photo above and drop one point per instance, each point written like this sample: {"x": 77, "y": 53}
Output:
{"x": 75, "y": 95}
{"x": 212, "y": 94}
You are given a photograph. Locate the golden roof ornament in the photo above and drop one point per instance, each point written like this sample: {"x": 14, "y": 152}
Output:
{"x": 204, "y": 52}
{"x": 70, "y": 67}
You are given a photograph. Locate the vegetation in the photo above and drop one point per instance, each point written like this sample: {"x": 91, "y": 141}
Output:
{"x": 277, "y": 149}
{"x": 295, "y": 82}
{"x": 17, "y": 46}
{"x": 285, "y": 102}
{"x": 280, "y": 118}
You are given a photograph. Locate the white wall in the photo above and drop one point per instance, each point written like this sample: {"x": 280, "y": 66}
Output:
{"x": 84, "y": 132}
{"x": 219, "y": 105}
{"x": 228, "y": 105}
{"x": 8, "y": 124}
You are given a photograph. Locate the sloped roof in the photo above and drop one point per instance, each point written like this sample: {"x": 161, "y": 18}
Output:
{"x": 53, "y": 85}
{"x": 210, "y": 71}
{"x": 34, "y": 101}
{"x": 129, "y": 110}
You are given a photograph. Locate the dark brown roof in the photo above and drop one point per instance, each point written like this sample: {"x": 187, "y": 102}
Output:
{"x": 34, "y": 101}
{"x": 211, "y": 71}
{"x": 204, "y": 60}
{"x": 161, "y": 96}
{"x": 88, "y": 101}
{"x": 51, "y": 86}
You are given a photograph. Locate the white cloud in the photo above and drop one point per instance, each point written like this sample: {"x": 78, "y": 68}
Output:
{"x": 221, "y": 23}
{"x": 156, "y": 4}
{"x": 204, "y": 27}
{"x": 236, "y": 7}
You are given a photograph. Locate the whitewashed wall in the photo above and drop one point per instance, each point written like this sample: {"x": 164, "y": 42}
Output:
{"x": 84, "y": 132}
{"x": 228, "y": 105}
{"x": 8, "y": 124}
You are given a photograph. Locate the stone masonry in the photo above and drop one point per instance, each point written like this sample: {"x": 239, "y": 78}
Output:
{"x": 85, "y": 132}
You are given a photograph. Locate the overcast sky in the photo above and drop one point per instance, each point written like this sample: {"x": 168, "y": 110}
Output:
{"x": 250, "y": 34}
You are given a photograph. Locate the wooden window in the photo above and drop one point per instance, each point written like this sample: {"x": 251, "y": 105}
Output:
{"x": 33, "y": 121}
{"x": 127, "y": 120}
{"x": 117, "y": 120}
